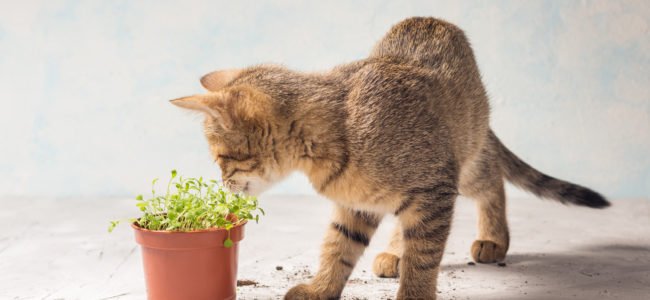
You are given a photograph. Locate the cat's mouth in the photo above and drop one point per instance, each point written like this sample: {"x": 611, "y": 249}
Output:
{"x": 236, "y": 186}
{"x": 249, "y": 185}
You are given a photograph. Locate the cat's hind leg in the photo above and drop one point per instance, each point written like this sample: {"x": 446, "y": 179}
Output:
{"x": 425, "y": 222}
{"x": 483, "y": 182}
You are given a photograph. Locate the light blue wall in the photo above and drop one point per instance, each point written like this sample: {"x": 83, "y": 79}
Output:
{"x": 84, "y": 85}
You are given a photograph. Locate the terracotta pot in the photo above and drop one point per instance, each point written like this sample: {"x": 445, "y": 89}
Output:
{"x": 189, "y": 265}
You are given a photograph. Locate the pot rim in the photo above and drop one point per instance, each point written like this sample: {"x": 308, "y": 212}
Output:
{"x": 135, "y": 226}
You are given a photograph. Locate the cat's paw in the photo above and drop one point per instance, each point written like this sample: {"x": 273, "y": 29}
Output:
{"x": 488, "y": 252}
{"x": 386, "y": 265}
{"x": 302, "y": 292}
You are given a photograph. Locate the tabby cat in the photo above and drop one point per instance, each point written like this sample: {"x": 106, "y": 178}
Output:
{"x": 403, "y": 132}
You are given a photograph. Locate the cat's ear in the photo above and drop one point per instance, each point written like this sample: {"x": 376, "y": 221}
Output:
{"x": 213, "y": 105}
{"x": 218, "y": 79}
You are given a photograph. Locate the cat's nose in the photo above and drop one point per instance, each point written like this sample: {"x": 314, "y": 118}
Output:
{"x": 234, "y": 186}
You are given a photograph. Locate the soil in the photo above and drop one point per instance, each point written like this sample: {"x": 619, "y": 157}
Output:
{"x": 246, "y": 282}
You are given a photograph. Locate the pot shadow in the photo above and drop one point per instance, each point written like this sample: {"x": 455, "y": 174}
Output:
{"x": 595, "y": 272}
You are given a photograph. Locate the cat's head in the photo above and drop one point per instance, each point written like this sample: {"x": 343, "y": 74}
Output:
{"x": 243, "y": 132}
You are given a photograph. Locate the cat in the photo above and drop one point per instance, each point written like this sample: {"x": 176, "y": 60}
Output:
{"x": 402, "y": 132}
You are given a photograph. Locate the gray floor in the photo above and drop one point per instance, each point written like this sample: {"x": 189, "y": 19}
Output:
{"x": 59, "y": 249}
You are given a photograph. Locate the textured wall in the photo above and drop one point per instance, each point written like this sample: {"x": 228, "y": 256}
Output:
{"x": 84, "y": 86}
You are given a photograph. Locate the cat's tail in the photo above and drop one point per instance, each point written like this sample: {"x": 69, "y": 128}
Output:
{"x": 526, "y": 177}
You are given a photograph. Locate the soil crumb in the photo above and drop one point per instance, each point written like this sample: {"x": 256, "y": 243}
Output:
{"x": 501, "y": 264}
{"x": 471, "y": 263}
{"x": 358, "y": 281}
{"x": 246, "y": 282}
{"x": 279, "y": 268}
{"x": 298, "y": 273}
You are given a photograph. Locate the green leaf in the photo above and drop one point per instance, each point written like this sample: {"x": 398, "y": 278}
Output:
{"x": 112, "y": 225}
{"x": 174, "y": 174}
{"x": 227, "y": 243}
{"x": 142, "y": 205}
{"x": 139, "y": 198}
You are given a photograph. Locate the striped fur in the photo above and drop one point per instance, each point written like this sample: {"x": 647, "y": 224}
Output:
{"x": 542, "y": 185}
{"x": 402, "y": 132}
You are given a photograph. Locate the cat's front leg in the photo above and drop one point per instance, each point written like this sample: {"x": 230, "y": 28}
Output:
{"x": 425, "y": 218}
{"x": 348, "y": 236}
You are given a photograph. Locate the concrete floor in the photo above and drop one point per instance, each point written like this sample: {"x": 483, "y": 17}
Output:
{"x": 59, "y": 249}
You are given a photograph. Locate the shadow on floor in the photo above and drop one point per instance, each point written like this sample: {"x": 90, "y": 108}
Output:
{"x": 595, "y": 272}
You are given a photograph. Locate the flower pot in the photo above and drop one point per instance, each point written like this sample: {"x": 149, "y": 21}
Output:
{"x": 189, "y": 265}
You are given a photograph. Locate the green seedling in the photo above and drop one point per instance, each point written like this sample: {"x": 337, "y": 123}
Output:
{"x": 191, "y": 204}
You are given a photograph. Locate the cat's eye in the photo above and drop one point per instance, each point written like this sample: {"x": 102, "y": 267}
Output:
{"x": 235, "y": 157}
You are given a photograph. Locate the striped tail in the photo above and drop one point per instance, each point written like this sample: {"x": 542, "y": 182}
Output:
{"x": 526, "y": 177}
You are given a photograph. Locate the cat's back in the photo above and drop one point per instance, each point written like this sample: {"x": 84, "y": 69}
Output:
{"x": 420, "y": 79}
{"x": 430, "y": 43}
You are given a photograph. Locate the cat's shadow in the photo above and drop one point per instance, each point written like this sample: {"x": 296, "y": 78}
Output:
{"x": 594, "y": 272}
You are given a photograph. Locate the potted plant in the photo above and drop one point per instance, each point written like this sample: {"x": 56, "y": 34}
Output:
{"x": 189, "y": 237}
